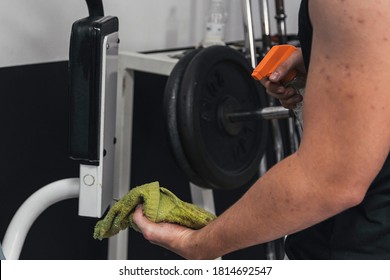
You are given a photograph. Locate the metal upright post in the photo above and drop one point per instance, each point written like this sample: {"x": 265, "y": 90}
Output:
{"x": 250, "y": 44}
{"x": 281, "y": 21}
{"x": 265, "y": 26}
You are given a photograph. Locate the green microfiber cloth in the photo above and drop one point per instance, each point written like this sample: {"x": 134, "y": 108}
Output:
{"x": 159, "y": 205}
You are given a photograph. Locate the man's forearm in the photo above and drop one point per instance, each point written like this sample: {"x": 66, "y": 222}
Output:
{"x": 281, "y": 202}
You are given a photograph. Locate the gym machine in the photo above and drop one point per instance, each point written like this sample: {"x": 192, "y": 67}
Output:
{"x": 93, "y": 63}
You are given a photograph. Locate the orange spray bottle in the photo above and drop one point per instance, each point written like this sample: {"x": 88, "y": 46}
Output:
{"x": 277, "y": 55}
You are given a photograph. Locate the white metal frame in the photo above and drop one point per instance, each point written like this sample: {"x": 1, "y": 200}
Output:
{"x": 157, "y": 63}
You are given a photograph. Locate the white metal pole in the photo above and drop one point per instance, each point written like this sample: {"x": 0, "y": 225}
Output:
{"x": 30, "y": 210}
{"x": 249, "y": 33}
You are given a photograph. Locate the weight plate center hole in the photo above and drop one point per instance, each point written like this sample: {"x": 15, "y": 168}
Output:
{"x": 227, "y": 106}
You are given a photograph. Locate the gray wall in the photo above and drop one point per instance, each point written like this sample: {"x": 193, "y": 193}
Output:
{"x": 38, "y": 31}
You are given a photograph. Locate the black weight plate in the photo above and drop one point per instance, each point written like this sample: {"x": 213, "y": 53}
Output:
{"x": 225, "y": 155}
{"x": 170, "y": 114}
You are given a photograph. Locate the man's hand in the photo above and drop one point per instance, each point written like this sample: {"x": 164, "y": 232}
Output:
{"x": 173, "y": 237}
{"x": 288, "y": 97}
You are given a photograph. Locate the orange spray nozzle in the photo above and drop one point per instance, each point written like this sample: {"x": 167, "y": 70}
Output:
{"x": 276, "y": 55}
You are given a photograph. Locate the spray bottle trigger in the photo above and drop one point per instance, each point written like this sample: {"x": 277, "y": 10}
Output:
{"x": 276, "y": 56}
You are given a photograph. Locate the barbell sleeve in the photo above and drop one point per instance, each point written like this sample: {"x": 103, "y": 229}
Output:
{"x": 266, "y": 113}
